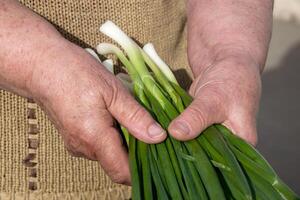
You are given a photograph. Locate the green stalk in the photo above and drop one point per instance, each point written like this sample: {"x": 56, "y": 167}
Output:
{"x": 232, "y": 172}
{"x": 204, "y": 168}
{"x": 177, "y": 169}
{"x": 186, "y": 98}
{"x": 139, "y": 92}
{"x": 246, "y": 148}
{"x": 192, "y": 178}
{"x": 164, "y": 121}
{"x": 259, "y": 184}
{"x": 206, "y": 171}
{"x": 162, "y": 79}
{"x": 146, "y": 171}
{"x": 256, "y": 170}
{"x": 164, "y": 68}
{"x": 252, "y": 160}
{"x": 138, "y": 86}
{"x": 154, "y": 154}
{"x": 135, "y": 176}
{"x": 157, "y": 179}
{"x": 134, "y": 53}
{"x": 168, "y": 171}
{"x": 213, "y": 143}
{"x": 106, "y": 48}
{"x": 126, "y": 134}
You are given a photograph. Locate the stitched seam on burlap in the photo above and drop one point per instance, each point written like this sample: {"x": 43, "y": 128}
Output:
{"x": 33, "y": 142}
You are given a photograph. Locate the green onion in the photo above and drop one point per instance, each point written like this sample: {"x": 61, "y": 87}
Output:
{"x": 216, "y": 165}
{"x": 151, "y": 52}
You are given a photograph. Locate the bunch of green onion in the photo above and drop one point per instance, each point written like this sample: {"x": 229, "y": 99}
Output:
{"x": 216, "y": 165}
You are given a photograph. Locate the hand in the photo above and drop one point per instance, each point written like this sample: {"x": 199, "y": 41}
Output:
{"x": 227, "y": 49}
{"x": 79, "y": 95}
{"x": 226, "y": 92}
{"x": 81, "y": 98}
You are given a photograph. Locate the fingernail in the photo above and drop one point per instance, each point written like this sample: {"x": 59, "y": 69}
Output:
{"x": 181, "y": 127}
{"x": 155, "y": 130}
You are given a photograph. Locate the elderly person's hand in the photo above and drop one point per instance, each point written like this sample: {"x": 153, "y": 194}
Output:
{"x": 79, "y": 95}
{"x": 227, "y": 47}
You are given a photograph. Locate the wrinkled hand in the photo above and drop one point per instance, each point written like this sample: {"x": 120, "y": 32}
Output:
{"x": 79, "y": 95}
{"x": 226, "y": 92}
{"x": 227, "y": 49}
{"x": 81, "y": 98}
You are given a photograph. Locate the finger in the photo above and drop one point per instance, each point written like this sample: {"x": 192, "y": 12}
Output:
{"x": 112, "y": 155}
{"x": 74, "y": 153}
{"x": 203, "y": 112}
{"x": 135, "y": 118}
{"x": 244, "y": 125}
{"x": 97, "y": 138}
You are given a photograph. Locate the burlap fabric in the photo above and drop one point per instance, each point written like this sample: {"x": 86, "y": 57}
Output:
{"x": 33, "y": 161}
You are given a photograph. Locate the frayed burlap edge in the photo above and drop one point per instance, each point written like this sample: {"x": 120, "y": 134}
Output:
{"x": 103, "y": 194}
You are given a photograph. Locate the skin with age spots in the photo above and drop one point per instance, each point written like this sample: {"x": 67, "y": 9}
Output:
{"x": 78, "y": 94}
{"x": 227, "y": 46}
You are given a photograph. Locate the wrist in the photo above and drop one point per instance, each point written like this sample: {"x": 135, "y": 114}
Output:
{"x": 231, "y": 54}
{"x": 62, "y": 68}
{"x": 24, "y": 38}
{"x": 48, "y": 65}
{"x": 242, "y": 29}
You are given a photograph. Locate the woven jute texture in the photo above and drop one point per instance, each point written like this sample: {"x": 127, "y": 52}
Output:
{"x": 33, "y": 161}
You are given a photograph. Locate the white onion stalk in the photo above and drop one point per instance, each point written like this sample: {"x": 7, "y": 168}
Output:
{"x": 130, "y": 47}
{"x": 124, "y": 78}
{"x": 137, "y": 84}
{"x": 92, "y": 53}
{"x": 134, "y": 53}
{"x": 113, "y": 31}
{"x": 151, "y": 52}
{"x": 109, "y": 65}
{"x": 107, "y": 48}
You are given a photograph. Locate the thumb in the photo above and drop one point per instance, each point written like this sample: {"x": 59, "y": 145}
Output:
{"x": 135, "y": 118}
{"x": 243, "y": 125}
{"x": 203, "y": 112}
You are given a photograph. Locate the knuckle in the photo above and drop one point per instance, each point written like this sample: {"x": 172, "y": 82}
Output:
{"x": 119, "y": 178}
{"x": 197, "y": 115}
{"x": 73, "y": 142}
{"x": 82, "y": 152}
{"x": 214, "y": 97}
{"x": 137, "y": 114}
{"x": 74, "y": 154}
{"x": 69, "y": 150}
{"x": 111, "y": 93}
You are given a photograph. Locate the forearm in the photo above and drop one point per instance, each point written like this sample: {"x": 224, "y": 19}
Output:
{"x": 220, "y": 28}
{"x": 24, "y": 38}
